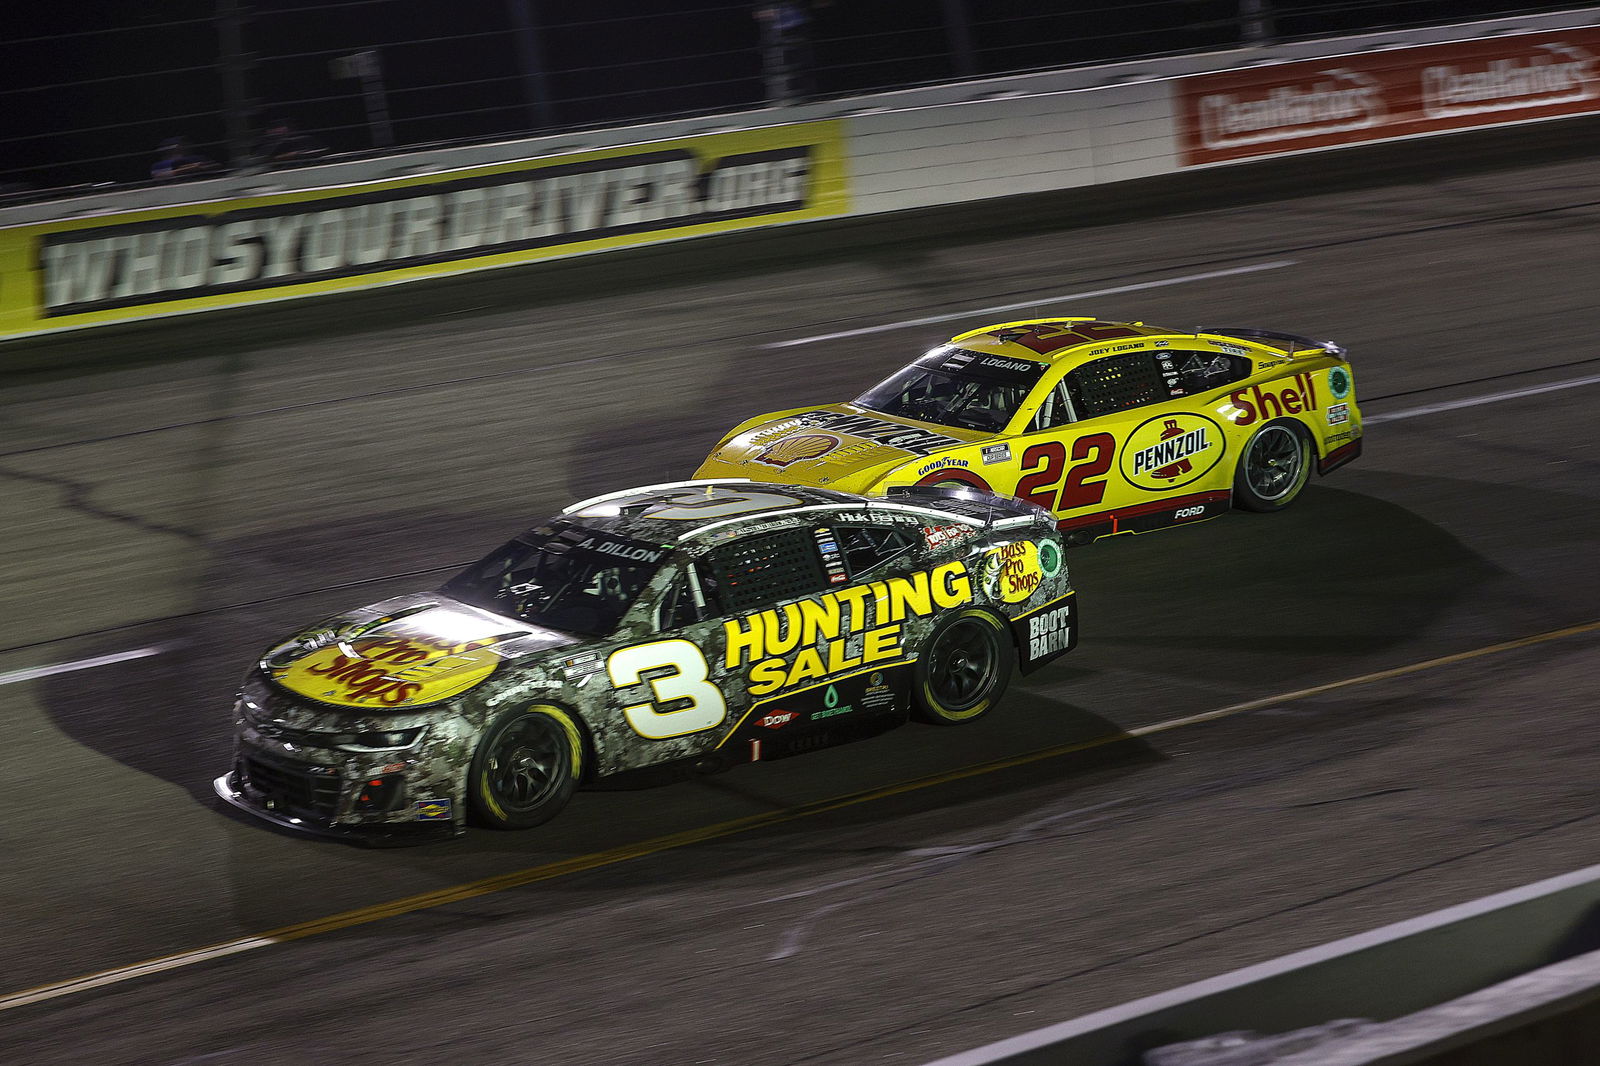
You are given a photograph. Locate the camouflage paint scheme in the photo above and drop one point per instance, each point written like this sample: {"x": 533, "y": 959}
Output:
{"x": 477, "y": 664}
{"x": 1212, "y": 389}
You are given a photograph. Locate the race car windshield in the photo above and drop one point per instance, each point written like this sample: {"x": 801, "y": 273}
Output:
{"x": 570, "y": 578}
{"x": 956, "y": 388}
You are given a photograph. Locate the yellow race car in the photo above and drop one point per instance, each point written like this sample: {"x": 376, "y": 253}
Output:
{"x": 1116, "y": 427}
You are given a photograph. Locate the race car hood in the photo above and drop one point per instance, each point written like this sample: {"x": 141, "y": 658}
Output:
{"x": 839, "y": 446}
{"x": 403, "y": 653}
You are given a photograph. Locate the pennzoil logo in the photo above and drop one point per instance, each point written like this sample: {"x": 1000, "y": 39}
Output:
{"x": 387, "y": 671}
{"x": 797, "y": 448}
{"x": 1171, "y": 451}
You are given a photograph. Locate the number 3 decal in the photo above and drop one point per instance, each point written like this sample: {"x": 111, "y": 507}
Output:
{"x": 706, "y": 708}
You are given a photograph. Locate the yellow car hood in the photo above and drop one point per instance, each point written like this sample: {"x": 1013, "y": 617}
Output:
{"x": 402, "y": 654}
{"x": 838, "y": 446}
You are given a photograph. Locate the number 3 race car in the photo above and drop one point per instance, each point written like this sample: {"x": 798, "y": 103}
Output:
{"x": 698, "y": 624}
{"x": 1114, "y": 427}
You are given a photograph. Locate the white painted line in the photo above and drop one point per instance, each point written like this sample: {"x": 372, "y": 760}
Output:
{"x": 1086, "y": 295}
{"x": 1493, "y": 397}
{"x": 37, "y": 672}
{"x": 1003, "y": 1050}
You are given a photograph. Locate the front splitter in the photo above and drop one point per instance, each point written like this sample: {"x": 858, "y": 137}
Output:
{"x": 372, "y": 837}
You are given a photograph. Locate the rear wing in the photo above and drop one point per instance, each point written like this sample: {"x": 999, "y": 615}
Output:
{"x": 1296, "y": 343}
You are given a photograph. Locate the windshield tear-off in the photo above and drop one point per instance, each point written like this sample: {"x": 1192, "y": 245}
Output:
{"x": 573, "y": 579}
{"x": 954, "y": 387}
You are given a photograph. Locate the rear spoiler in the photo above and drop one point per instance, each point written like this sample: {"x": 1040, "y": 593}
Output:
{"x": 1295, "y": 341}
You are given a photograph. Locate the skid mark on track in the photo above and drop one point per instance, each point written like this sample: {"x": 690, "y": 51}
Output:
{"x": 929, "y": 862}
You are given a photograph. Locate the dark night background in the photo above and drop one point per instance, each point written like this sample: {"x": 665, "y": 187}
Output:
{"x": 89, "y": 89}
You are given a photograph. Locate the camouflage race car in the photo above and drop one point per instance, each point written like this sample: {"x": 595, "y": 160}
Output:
{"x": 1115, "y": 427}
{"x": 692, "y": 625}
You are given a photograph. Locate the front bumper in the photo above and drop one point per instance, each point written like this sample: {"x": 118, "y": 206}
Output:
{"x": 239, "y": 793}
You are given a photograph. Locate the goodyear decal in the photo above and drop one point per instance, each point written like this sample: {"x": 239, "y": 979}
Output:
{"x": 1171, "y": 451}
{"x": 786, "y": 647}
{"x": 87, "y": 271}
{"x": 386, "y": 672}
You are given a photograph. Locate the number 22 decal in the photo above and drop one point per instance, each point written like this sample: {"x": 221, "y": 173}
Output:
{"x": 1085, "y": 483}
{"x": 705, "y": 709}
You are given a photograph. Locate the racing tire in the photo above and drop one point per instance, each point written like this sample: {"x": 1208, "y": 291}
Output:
{"x": 526, "y": 768}
{"x": 963, "y": 669}
{"x": 1274, "y": 467}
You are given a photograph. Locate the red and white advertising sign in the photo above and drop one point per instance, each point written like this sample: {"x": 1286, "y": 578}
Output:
{"x": 1239, "y": 114}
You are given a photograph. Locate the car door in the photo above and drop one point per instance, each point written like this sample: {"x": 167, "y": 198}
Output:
{"x": 1119, "y": 446}
{"x": 811, "y": 662}
{"x": 657, "y": 677}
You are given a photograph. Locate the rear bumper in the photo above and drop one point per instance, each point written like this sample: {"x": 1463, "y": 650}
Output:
{"x": 1338, "y": 457}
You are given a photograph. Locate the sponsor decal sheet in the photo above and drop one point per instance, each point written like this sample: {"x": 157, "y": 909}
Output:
{"x": 109, "y": 268}
{"x": 1320, "y": 103}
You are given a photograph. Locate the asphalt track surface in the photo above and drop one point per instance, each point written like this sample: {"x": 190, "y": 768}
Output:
{"x": 189, "y": 490}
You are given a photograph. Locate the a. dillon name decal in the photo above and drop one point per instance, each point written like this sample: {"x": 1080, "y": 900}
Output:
{"x": 1170, "y": 451}
{"x": 343, "y": 236}
{"x": 788, "y": 646}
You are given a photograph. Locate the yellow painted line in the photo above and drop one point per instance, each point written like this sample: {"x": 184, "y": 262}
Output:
{"x": 455, "y": 894}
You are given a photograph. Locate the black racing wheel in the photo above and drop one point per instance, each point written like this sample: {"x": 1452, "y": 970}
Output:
{"x": 1274, "y": 467}
{"x": 526, "y": 768}
{"x": 964, "y": 668}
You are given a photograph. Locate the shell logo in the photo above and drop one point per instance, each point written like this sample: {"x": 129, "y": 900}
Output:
{"x": 794, "y": 449}
{"x": 1171, "y": 451}
{"x": 386, "y": 672}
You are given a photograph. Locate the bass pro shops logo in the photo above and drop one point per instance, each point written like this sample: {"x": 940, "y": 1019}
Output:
{"x": 1170, "y": 451}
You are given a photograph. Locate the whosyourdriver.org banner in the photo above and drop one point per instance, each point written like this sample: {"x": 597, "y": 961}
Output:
{"x": 232, "y": 252}
{"x": 1396, "y": 92}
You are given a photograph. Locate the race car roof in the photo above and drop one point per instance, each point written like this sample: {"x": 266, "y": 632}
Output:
{"x": 682, "y": 509}
{"x": 1047, "y": 340}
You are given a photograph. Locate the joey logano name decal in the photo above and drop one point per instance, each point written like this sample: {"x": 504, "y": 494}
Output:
{"x": 261, "y": 247}
{"x": 787, "y": 646}
{"x": 1171, "y": 451}
{"x": 386, "y": 672}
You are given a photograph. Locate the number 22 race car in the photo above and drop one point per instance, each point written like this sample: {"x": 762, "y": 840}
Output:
{"x": 693, "y": 625}
{"x": 1114, "y": 427}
